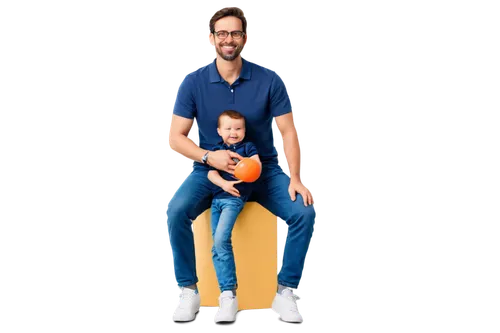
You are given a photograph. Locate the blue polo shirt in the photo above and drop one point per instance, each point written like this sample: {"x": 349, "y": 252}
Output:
{"x": 258, "y": 94}
{"x": 245, "y": 149}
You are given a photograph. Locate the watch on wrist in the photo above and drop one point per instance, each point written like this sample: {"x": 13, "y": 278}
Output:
{"x": 204, "y": 159}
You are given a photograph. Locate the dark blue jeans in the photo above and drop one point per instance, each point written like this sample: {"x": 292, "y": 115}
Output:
{"x": 271, "y": 191}
{"x": 225, "y": 211}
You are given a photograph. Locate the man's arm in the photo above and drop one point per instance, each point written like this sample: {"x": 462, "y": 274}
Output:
{"x": 292, "y": 150}
{"x": 179, "y": 141}
{"x": 280, "y": 107}
{"x": 185, "y": 111}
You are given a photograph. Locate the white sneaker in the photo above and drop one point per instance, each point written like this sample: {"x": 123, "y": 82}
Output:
{"x": 228, "y": 307}
{"x": 189, "y": 305}
{"x": 286, "y": 306}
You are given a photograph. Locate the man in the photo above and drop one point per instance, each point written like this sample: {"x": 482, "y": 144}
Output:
{"x": 231, "y": 82}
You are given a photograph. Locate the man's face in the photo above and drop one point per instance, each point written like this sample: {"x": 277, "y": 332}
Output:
{"x": 228, "y": 48}
{"x": 231, "y": 130}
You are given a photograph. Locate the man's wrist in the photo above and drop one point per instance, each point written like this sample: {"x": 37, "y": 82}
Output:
{"x": 295, "y": 178}
{"x": 204, "y": 158}
{"x": 208, "y": 157}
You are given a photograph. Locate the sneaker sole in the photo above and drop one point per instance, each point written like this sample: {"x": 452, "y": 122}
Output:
{"x": 289, "y": 323}
{"x": 228, "y": 323}
{"x": 189, "y": 321}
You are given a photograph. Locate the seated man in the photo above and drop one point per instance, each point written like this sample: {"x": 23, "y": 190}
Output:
{"x": 230, "y": 82}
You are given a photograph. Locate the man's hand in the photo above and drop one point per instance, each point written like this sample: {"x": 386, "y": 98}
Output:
{"x": 297, "y": 187}
{"x": 229, "y": 187}
{"x": 223, "y": 160}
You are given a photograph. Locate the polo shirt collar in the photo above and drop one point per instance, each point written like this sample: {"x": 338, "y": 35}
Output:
{"x": 246, "y": 71}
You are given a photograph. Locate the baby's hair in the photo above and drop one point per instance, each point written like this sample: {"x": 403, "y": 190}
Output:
{"x": 231, "y": 114}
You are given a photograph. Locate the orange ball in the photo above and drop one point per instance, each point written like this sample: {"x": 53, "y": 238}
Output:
{"x": 247, "y": 170}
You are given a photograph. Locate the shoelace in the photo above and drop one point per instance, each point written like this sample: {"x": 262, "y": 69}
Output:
{"x": 294, "y": 298}
{"x": 225, "y": 300}
{"x": 185, "y": 297}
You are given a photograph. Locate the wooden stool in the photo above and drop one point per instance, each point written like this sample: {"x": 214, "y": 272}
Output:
{"x": 254, "y": 242}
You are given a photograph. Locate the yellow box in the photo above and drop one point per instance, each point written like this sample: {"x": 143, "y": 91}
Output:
{"x": 254, "y": 242}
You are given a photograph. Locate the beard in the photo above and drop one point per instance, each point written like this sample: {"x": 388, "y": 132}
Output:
{"x": 229, "y": 57}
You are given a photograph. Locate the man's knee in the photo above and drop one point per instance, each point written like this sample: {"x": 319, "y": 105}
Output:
{"x": 310, "y": 213}
{"x": 177, "y": 210}
{"x": 304, "y": 215}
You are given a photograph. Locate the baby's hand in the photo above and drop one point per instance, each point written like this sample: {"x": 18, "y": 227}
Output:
{"x": 229, "y": 188}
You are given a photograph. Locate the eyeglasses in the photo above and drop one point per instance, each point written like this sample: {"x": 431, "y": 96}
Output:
{"x": 222, "y": 34}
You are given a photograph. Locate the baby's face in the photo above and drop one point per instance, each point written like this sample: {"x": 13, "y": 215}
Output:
{"x": 231, "y": 130}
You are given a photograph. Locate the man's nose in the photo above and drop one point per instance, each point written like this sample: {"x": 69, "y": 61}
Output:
{"x": 229, "y": 38}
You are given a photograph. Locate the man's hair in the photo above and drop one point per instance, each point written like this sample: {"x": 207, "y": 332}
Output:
{"x": 229, "y": 11}
{"x": 231, "y": 114}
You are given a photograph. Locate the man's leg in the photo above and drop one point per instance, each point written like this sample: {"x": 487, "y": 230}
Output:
{"x": 300, "y": 221}
{"x": 191, "y": 199}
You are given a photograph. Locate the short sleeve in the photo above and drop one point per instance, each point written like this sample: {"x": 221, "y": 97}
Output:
{"x": 185, "y": 105}
{"x": 279, "y": 103}
{"x": 250, "y": 149}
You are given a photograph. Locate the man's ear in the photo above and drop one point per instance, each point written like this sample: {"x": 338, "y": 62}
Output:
{"x": 211, "y": 38}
